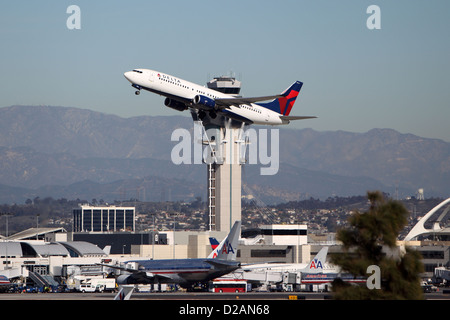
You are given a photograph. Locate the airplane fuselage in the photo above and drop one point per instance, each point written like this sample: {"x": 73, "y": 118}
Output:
{"x": 182, "y": 271}
{"x": 183, "y": 93}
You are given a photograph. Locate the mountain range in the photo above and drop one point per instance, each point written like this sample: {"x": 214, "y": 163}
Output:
{"x": 72, "y": 153}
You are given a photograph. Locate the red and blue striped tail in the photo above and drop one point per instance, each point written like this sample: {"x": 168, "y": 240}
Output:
{"x": 284, "y": 104}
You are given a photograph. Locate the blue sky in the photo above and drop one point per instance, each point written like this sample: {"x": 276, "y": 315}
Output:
{"x": 355, "y": 79}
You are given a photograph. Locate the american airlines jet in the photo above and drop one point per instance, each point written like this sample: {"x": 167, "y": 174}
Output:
{"x": 182, "y": 95}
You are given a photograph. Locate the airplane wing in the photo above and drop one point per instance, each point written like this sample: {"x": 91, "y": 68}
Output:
{"x": 139, "y": 275}
{"x": 228, "y": 102}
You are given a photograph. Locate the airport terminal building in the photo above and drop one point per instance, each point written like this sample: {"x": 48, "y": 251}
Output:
{"x": 43, "y": 254}
{"x": 87, "y": 218}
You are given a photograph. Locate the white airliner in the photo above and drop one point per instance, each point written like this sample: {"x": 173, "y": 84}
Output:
{"x": 182, "y": 95}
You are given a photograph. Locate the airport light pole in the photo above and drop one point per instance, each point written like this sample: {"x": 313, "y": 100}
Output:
{"x": 174, "y": 225}
{"x": 153, "y": 238}
{"x": 6, "y": 214}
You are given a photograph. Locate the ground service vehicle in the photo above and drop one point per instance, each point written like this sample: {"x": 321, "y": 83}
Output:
{"x": 231, "y": 285}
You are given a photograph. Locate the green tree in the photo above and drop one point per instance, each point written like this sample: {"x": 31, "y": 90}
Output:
{"x": 364, "y": 240}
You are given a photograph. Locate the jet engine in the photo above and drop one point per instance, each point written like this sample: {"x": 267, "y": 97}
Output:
{"x": 199, "y": 99}
{"x": 175, "y": 104}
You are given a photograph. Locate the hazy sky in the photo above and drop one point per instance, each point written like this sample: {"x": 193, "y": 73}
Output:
{"x": 355, "y": 79}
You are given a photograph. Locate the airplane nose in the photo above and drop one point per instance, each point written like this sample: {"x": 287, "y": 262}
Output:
{"x": 127, "y": 75}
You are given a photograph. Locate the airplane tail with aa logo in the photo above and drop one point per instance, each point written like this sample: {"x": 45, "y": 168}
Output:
{"x": 317, "y": 264}
{"x": 227, "y": 249}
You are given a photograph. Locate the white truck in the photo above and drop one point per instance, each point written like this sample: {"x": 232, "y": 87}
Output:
{"x": 96, "y": 285}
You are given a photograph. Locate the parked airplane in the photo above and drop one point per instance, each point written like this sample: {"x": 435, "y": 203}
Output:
{"x": 316, "y": 265}
{"x": 181, "y": 95}
{"x": 317, "y": 271}
{"x": 4, "y": 283}
{"x": 184, "y": 272}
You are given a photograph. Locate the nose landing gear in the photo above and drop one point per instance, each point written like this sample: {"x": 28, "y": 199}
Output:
{"x": 138, "y": 91}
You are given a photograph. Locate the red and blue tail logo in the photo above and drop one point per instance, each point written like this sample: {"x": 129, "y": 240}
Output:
{"x": 284, "y": 104}
{"x": 315, "y": 264}
{"x": 214, "y": 243}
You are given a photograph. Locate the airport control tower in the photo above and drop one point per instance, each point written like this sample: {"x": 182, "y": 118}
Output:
{"x": 222, "y": 138}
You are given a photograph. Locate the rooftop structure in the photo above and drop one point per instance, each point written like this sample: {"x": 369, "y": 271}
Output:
{"x": 225, "y": 84}
{"x": 420, "y": 230}
{"x": 46, "y": 234}
{"x": 74, "y": 249}
{"x": 277, "y": 234}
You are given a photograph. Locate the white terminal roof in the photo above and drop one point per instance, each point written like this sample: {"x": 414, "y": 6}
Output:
{"x": 31, "y": 233}
{"x": 27, "y": 249}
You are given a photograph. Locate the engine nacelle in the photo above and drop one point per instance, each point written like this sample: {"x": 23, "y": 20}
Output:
{"x": 199, "y": 99}
{"x": 123, "y": 279}
{"x": 175, "y": 104}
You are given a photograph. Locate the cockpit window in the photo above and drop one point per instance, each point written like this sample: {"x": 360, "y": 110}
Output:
{"x": 137, "y": 71}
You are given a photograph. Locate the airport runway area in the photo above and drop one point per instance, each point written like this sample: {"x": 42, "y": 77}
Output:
{"x": 266, "y": 296}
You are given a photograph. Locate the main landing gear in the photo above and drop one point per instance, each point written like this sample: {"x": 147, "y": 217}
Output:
{"x": 137, "y": 92}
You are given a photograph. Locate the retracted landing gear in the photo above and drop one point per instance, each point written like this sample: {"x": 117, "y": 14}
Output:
{"x": 137, "y": 92}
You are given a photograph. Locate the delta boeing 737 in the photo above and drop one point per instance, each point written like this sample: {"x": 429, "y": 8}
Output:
{"x": 182, "y": 95}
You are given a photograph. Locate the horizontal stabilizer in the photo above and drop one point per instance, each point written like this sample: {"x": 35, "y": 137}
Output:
{"x": 222, "y": 263}
{"x": 296, "y": 117}
{"x": 287, "y": 119}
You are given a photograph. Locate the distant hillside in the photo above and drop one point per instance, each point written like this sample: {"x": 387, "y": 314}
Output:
{"x": 392, "y": 158}
{"x": 69, "y": 152}
{"x": 87, "y": 134}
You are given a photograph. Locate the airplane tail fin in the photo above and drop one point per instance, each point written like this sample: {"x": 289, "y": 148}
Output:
{"x": 284, "y": 104}
{"x": 214, "y": 243}
{"x": 215, "y": 247}
{"x": 124, "y": 293}
{"x": 318, "y": 262}
{"x": 107, "y": 250}
{"x": 227, "y": 249}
